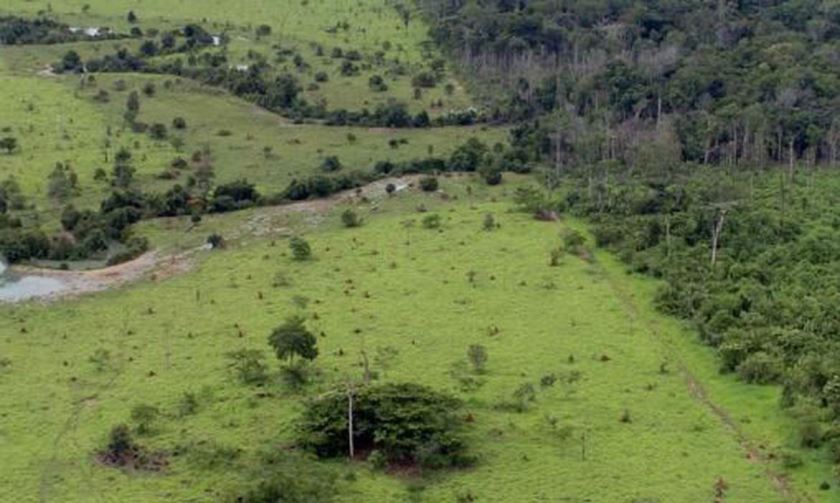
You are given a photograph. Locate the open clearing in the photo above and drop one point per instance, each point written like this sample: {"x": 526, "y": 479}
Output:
{"x": 401, "y": 292}
{"x": 589, "y": 394}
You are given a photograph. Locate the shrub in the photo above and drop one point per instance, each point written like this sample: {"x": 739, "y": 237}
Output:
{"x": 350, "y": 218}
{"x": 429, "y": 184}
{"x": 144, "y": 416}
{"x": 158, "y": 131}
{"x": 216, "y": 241}
{"x": 300, "y": 248}
{"x": 572, "y": 239}
{"x": 492, "y": 175}
{"x": 122, "y": 451}
{"x": 249, "y": 366}
{"x": 408, "y": 423}
{"x": 187, "y": 405}
{"x": 431, "y": 221}
{"x": 477, "y": 355}
{"x": 424, "y": 79}
{"x": 377, "y": 83}
{"x": 760, "y": 368}
{"x": 179, "y": 123}
{"x": 331, "y": 164}
{"x": 291, "y": 478}
{"x": 489, "y": 222}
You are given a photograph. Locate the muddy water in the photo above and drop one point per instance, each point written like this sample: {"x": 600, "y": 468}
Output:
{"x": 20, "y": 288}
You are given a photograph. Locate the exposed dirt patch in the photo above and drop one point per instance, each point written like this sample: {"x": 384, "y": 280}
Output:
{"x": 47, "y": 71}
{"x": 157, "y": 266}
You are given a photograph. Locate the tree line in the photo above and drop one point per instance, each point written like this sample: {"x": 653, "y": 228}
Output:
{"x": 746, "y": 83}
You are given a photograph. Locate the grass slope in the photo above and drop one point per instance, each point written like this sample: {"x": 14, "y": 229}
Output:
{"x": 392, "y": 285}
{"x": 56, "y": 121}
{"x": 372, "y": 27}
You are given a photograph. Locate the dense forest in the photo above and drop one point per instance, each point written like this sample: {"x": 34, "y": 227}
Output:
{"x": 693, "y": 135}
{"x": 752, "y": 82}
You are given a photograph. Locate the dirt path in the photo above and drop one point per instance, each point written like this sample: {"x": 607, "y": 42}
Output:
{"x": 698, "y": 392}
{"x": 159, "y": 266}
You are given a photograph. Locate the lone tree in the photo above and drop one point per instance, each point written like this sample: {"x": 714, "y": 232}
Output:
{"x": 292, "y": 339}
{"x": 9, "y": 144}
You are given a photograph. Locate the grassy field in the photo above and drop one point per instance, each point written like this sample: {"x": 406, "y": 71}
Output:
{"x": 629, "y": 407}
{"x": 57, "y": 121}
{"x": 401, "y": 291}
{"x": 56, "y": 118}
{"x": 368, "y": 26}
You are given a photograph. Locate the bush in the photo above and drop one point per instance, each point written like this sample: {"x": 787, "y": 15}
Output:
{"x": 292, "y": 478}
{"x": 377, "y": 83}
{"x": 431, "y": 221}
{"x": 424, "y": 79}
{"x": 121, "y": 451}
{"x": 331, "y": 164}
{"x": 429, "y": 184}
{"x": 489, "y": 222}
{"x": 572, "y": 239}
{"x": 477, "y": 355}
{"x": 216, "y": 241}
{"x": 350, "y": 218}
{"x": 407, "y": 423}
{"x": 760, "y": 368}
{"x": 300, "y": 248}
{"x": 249, "y": 366}
{"x": 144, "y": 417}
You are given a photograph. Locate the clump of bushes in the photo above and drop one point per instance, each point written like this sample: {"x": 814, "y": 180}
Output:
{"x": 123, "y": 452}
{"x": 429, "y": 184}
{"x": 406, "y": 424}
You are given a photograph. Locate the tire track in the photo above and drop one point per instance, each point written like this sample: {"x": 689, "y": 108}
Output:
{"x": 698, "y": 392}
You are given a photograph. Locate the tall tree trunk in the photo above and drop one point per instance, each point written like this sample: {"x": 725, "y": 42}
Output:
{"x": 350, "y": 443}
{"x": 718, "y": 228}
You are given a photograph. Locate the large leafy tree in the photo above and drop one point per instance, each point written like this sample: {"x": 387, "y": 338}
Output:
{"x": 292, "y": 339}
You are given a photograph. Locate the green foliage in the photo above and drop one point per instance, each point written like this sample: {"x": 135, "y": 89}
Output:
{"x": 489, "y": 223}
{"x": 407, "y": 423}
{"x": 432, "y": 221}
{"x": 9, "y": 144}
{"x": 331, "y": 164}
{"x": 290, "y": 478}
{"x": 292, "y": 339}
{"x": 300, "y": 248}
{"x": 700, "y": 89}
{"x": 477, "y": 356}
{"x": 144, "y": 417}
{"x": 429, "y": 184}
{"x": 249, "y": 366}
{"x": 350, "y": 218}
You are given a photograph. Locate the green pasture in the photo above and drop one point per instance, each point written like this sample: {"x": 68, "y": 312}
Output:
{"x": 403, "y": 294}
